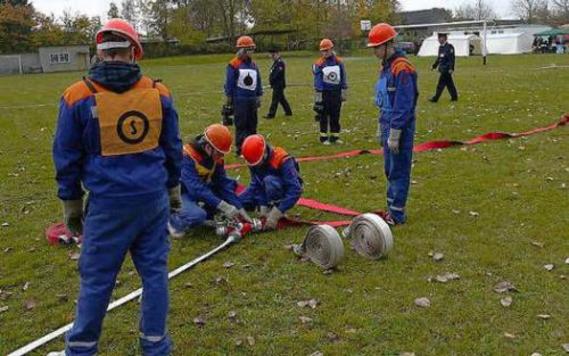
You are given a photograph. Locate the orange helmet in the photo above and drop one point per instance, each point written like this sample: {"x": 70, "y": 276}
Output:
{"x": 219, "y": 137}
{"x": 121, "y": 28}
{"x": 380, "y": 34}
{"x": 245, "y": 42}
{"x": 253, "y": 149}
{"x": 326, "y": 44}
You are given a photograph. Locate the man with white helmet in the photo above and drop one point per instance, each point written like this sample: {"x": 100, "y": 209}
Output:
{"x": 117, "y": 136}
{"x": 243, "y": 90}
{"x": 330, "y": 90}
{"x": 206, "y": 188}
{"x": 396, "y": 97}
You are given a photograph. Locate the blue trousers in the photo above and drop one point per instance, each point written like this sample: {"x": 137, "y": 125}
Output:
{"x": 112, "y": 228}
{"x": 271, "y": 193}
{"x": 398, "y": 171}
{"x": 191, "y": 215}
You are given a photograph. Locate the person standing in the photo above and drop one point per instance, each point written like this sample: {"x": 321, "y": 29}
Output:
{"x": 243, "y": 90}
{"x": 330, "y": 90}
{"x": 117, "y": 137}
{"x": 277, "y": 80}
{"x": 396, "y": 97}
{"x": 445, "y": 63}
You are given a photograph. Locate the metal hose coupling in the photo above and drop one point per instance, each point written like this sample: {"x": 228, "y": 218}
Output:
{"x": 323, "y": 246}
{"x": 371, "y": 236}
{"x": 238, "y": 229}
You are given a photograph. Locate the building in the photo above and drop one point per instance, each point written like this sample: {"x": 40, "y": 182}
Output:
{"x": 46, "y": 60}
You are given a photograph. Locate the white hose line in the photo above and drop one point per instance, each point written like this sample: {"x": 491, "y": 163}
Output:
{"x": 371, "y": 236}
{"x": 127, "y": 298}
{"x": 323, "y": 246}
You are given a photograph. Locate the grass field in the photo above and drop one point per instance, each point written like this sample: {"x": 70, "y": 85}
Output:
{"x": 518, "y": 188}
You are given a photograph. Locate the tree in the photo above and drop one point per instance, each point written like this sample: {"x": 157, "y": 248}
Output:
{"x": 156, "y": 17}
{"x": 528, "y": 10}
{"x": 16, "y": 23}
{"x": 476, "y": 10}
{"x": 561, "y": 8}
{"x": 130, "y": 12}
{"x": 113, "y": 12}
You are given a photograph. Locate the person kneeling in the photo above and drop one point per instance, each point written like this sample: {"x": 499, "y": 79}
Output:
{"x": 275, "y": 184}
{"x": 206, "y": 188}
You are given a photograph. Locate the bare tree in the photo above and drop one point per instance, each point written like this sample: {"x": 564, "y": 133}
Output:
{"x": 130, "y": 12}
{"x": 529, "y": 10}
{"x": 562, "y": 9}
{"x": 475, "y": 10}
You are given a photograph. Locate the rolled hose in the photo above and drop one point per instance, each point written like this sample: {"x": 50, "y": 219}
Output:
{"x": 371, "y": 236}
{"x": 323, "y": 246}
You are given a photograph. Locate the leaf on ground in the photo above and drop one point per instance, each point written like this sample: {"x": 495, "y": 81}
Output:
{"x": 332, "y": 336}
{"x": 565, "y": 347}
{"x": 506, "y": 301}
{"x": 313, "y": 303}
{"x": 317, "y": 353}
{"x": 509, "y": 336}
{"x": 62, "y": 298}
{"x": 220, "y": 280}
{"x": 423, "y": 302}
{"x": 232, "y": 315}
{"x": 228, "y": 264}
{"x": 536, "y": 354}
{"x": 437, "y": 257}
{"x": 26, "y": 286}
{"x": 5, "y": 224}
{"x": 351, "y": 331}
{"x": 289, "y": 247}
{"x": 3, "y": 309}
{"x": 474, "y": 214}
{"x": 251, "y": 340}
{"x": 74, "y": 255}
{"x": 549, "y": 267}
{"x": 567, "y": 261}
{"x": 30, "y": 304}
{"x": 238, "y": 342}
{"x": 188, "y": 285}
{"x": 199, "y": 321}
{"x": 538, "y": 244}
{"x": 305, "y": 319}
{"x": 544, "y": 316}
{"x": 7, "y": 249}
{"x": 407, "y": 354}
{"x": 505, "y": 286}
{"x": 328, "y": 271}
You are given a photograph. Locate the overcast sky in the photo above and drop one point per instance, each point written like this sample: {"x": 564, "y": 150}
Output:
{"x": 100, "y": 7}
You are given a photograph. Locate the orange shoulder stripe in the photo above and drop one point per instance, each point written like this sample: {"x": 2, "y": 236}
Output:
{"x": 235, "y": 62}
{"x": 192, "y": 153}
{"x": 402, "y": 65}
{"x": 79, "y": 91}
{"x": 278, "y": 158}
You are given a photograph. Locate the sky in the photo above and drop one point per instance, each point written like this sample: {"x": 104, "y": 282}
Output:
{"x": 100, "y": 7}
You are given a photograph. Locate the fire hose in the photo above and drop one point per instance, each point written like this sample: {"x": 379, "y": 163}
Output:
{"x": 370, "y": 237}
{"x": 233, "y": 232}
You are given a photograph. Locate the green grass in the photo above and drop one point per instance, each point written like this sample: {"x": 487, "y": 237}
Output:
{"x": 369, "y": 305}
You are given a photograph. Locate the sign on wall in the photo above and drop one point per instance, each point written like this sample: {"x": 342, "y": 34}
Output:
{"x": 59, "y": 58}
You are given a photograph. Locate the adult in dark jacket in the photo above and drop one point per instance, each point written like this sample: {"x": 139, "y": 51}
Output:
{"x": 277, "y": 80}
{"x": 445, "y": 64}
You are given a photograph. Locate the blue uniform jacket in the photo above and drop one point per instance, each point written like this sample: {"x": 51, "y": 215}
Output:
{"x": 328, "y": 81}
{"x": 204, "y": 180}
{"x": 243, "y": 80}
{"x": 397, "y": 92}
{"x": 446, "y": 58}
{"x": 77, "y": 150}
{"x": 283, "y": 166}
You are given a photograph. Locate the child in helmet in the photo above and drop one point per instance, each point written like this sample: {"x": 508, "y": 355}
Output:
{"x": 206, "y": 188}
{"x": 243, "y": 90}
{"x": 275, "y": 184}
{"x": 330, "y": 90}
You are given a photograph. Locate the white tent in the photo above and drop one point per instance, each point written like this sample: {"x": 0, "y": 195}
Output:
{"x": 509, "y": 43}
{"x": 461, "y": 43}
